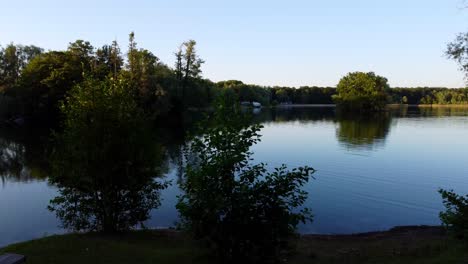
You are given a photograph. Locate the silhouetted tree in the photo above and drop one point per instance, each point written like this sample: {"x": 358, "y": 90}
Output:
{"x": 188, "y": 66}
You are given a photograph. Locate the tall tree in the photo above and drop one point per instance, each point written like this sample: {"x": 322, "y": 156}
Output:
{"x": 83, "y": 53}
{"x": 132, "y": 48}
{"x": 10, "y": 65}
{"x": 108, "y": 60}
{"x": 143, "y": 67}
{"x": 188, "y": 65}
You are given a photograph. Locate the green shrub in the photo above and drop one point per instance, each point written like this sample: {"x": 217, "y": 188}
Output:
{"x": 245, "y": 212}
{"x": 455, "y": 218}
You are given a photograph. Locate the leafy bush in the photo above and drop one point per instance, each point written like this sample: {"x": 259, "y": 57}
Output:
{"x": 455, "y": 218}
{"x": 245, "y": 212}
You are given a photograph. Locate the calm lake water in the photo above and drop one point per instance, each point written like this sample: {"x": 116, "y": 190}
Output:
{"x": 372, "y": 173}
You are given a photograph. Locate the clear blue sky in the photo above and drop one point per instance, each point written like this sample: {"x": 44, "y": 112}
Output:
{"x": 288, "y": 42}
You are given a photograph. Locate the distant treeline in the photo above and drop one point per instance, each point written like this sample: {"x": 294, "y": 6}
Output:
{"x": 323, "y": 95}
{"x": 427, "y": 95}
{"x": 33, "y": 81}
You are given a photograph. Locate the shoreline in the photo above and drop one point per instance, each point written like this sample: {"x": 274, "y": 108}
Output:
{"x": 396, "y": 230}
{"x": 404, "y": 244}
{"x": 388, "y": 105}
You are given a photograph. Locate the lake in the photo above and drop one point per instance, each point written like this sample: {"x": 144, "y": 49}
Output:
{"x": 373, "y": 173}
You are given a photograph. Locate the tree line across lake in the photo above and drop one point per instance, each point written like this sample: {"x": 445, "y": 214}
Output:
{"x": 33, "y": 81}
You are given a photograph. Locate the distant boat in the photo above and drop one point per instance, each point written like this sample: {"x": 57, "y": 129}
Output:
{"x": 252, "y": 104}
{"x": 256, "y": 104}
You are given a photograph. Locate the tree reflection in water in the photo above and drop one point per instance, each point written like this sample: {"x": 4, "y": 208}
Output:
{"x": 363, "y": 131}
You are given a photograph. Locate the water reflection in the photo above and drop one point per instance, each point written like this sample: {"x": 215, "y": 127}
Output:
{"x": 107, "y": 172}
{"x": 427, "y": 111}
{"x": 295, "y": 114}
{"x": 12, "y": 161}
{"x": 363, "y": 132}
{"x": 354, "y": 131}
{"x": 22, "y": 154}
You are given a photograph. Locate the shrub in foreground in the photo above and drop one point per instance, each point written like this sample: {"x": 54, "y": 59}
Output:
{"x": 455, "y": 218}
{"x": 246, "y": 213}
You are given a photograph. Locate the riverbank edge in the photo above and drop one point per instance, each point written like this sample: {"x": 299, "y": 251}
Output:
{"x": 402, "y": 244}
{"x": 383, "y": 233}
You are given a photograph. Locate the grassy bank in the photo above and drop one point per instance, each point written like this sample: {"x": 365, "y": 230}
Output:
{"x": 135, "y": 247}
{"x": 401, "y": 245}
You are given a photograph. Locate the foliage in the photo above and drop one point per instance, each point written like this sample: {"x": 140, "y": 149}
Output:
{"x": 104, "y": 162}
{"x": 143, "y": 70}
{"x": 48, "y": 77}
{"x": 108, "y": 60}
{"x": 362, "y": 91}
{"x": 13, "y": 59}
{"x": 246, "y": 212}
{"x": 187, "y": 67}
{"x": 247, "y": 92}
{"x": 46, "y": 80}
{"x": 427, "y": 95}
{"x": 458, "y": 51}
{"x": 455, "y": 218}
{"x": 303, "y": 95}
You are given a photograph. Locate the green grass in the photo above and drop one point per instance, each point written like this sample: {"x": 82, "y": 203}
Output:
{"x": 173, "y": 247}
{"x": 135, "y": 247}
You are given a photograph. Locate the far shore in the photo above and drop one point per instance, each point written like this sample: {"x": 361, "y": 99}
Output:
{"x": 304, "y": 105}
{"x": 388, "y": 105}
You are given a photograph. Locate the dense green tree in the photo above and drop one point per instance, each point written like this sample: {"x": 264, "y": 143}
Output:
{"x": 49, "y": 76}
{"x": 13, "y": 59}
{"x": 105, "y": 159}
{"x": 302, "y": 95}
{"x": 247, "y": 92}
{"x": 108, "y": 60}
{"x": 229, "y": 84}
{"x": 46, "y": 80}
{"x": 150, "y": 77}
{"x": 362, "y": 91}
{"x": 83, "y": 50}
{"x": 247, "y": 213}
{"x": 427, "y": 95}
